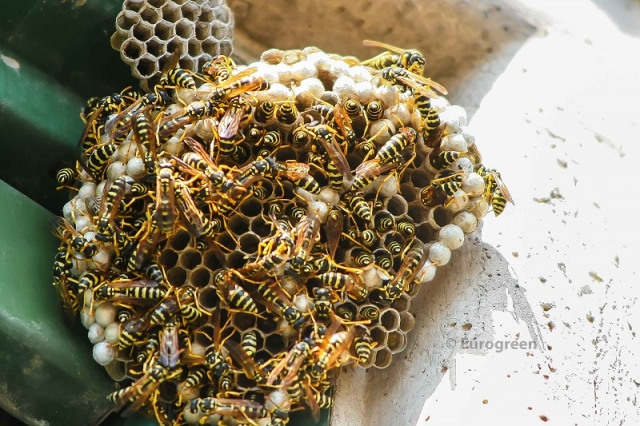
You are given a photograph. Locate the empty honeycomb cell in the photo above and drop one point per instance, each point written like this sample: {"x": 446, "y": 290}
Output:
{"x": 190, "y": 259}
{"x": 242, "y": 321}
{"x": 165, "y": 30}
{"x": 390, "y": 319}
{"x": 402, "y": 304}
{"x": 127, "y": 19}
{"x": 424, "y": 232}
{"x": 184, "y": 28}
{"x": 379, "y": 335}
{"x": 397, "y": 205}
{"x": 407, "y": 321}
{"x": 236, "y": 259}
{"x": 157, "y": 3}
{"x": 180, "y": 240}
{"x": 260, "y": 227}
{"x": 438, "y": 217}
{"x": 223, "y": 14}
{"x": 176, "y": 276}
{"x": 156, "y": 47}
{"x": 417, "y": 212}
{"x": 275, "y": 344}
{"x": 219, "y": 30}
{"x": 408, "y": 191}
{"x": 226, "y": 241}
{"x": 203, "y": 31}
{"x": 249, "y": 243}
{"x": 142, "y": 31}
{"x": 251, "y": 208}
{"x": 132, "y": 49}
{"x": 383, "y": 358}
{"x": 211, "y": 260}
{"x": 207, "y": 15}
{"x": 116, "y": 370}
{"x": 150, "y": 15}
{"x": 267, "y": 324}
{"x": 204, "y": 335}
{"x": 186, "y": 62}
{"x": 168, "y": 259}
{"x": 211, "y": 46}
{"x": 396, "y": 341}
{"x": 146, "y": 66}
{"x": 194, "y": 47}
{"x": 200, "y": 277}
{"x": 134, "y": 5}
{"x": 168, "y": 392}
{"x": 191, "y": 11}
{"x": 285, "y": 153}
{"x": 420, "y": 178}
{"x": 171, "y": 12}
{"x": 238, "y": 225}
{"x": 208, "y": 297}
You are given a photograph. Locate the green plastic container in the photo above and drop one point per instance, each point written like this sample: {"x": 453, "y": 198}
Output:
{"x": 55, "y": 55}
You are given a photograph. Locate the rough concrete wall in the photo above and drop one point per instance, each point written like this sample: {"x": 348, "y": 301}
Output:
{"x": 467, "y": 43}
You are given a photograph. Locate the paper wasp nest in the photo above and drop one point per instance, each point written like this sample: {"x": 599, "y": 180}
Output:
{"x": 324, "y": 189}
{"x": 148, "y": 31}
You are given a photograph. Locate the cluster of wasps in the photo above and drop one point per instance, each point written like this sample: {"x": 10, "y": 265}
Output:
{"x": 156, "y": 165}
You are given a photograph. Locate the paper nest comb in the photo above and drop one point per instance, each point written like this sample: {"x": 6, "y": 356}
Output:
{"x": 408, "y": 209}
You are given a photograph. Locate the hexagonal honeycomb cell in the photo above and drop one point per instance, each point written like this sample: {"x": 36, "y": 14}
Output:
{"x": 199, "y": 30}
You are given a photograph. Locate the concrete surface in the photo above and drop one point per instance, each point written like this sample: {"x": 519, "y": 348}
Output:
{"x": 553, "y": 88}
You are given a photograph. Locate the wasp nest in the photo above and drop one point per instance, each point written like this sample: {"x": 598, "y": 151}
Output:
{"x": 239, "y": 234}
{"x": 148, "y": 31}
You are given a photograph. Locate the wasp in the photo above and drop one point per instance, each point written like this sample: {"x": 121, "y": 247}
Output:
{"x": 219, "y": 68}
{"x": 238, "y": 409}
{"x": 396, "y": 144}
{"x": 235, "y": 296}
{"x": 98, "y": 158}
{"x": 367, "y": 171}
{"x": 411, "y": 59}
{"x": 449, "y": 181}
{"x": 286, "y": 114}
{"x": 384, "y": 222}
{"x": 165, "y": 367}
{"x": 250, "y": 367}
{"x": 307, "y": 231}
{"x": 374, "y": 110}
{"x": 322, "y": 302}
{"x": 255, "y": 133}
{"x": 406, "y": 228}
{"x": 264, "y": 112}
{"x": 200, "y": 161}
{"x": 496, "y": 191}
{"x": 229, "y": 124}
{"x": 64, "y": 284}
{"x": 292, "y": 362}
{"x": 65, "y": 232}
{"x": 411, "y": 265}
{"x": 115, "y": 191}
{"x": 277, "y": 304}
{"x": 324, "y": 134}
{"x": 165, "y": 212}
{"x": 432, "y": 196}
{"x": 135, "y": 289}
{"x": 357, "y": 204}
{"x": 326, "y": 354}
{"x": 333, "y": 229}
{"x": 439, "y": 159}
